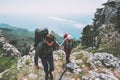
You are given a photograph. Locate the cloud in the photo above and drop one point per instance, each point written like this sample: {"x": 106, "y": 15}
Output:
{"x": 60, "y": 19}
{"x": 68, "y": 21}
{"x": 78, "y": 25}
{"x": 34, "y": 9}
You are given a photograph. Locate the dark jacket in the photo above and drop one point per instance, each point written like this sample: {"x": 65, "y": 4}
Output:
{"x": 43, "y": 50}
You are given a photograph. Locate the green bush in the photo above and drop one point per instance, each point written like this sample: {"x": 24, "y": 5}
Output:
{"x": 11, "y": 74}
{"x": 27, "y": 62}
{"x": 7, "y": 62}
{"x": 113, "y": 48}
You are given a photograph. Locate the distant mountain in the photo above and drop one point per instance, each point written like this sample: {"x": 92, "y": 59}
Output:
{"x": 17, "y": 36}
{"x": 4, "y": 26}
{"x": 12, "y": 33}
{"x": 21, "y": 31}
{"x": 12, "y": 28}
{"x": 22, "y": 36}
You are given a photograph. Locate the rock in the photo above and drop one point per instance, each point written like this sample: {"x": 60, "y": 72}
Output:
{"x": 8, "y": 49}
{"x": 32, "y": 76}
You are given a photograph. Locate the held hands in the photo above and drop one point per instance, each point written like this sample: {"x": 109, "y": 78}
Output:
{"x": 37, "y": 67}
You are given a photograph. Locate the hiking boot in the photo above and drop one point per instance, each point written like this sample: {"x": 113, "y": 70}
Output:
{"x": 46, "y": 77}
{"x": 51, "y": 76}
{"x": 68, "y": 61}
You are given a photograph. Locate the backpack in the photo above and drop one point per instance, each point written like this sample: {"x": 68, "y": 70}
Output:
{"x": 40, "y": 35}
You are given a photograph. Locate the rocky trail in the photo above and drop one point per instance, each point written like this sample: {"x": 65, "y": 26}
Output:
{"x": 83, "y": 66}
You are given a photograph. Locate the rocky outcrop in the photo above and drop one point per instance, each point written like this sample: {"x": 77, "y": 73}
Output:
{"x": 105, "y": 28}
{"x": 7, "y": 49}
{"x": 106, "y": 22}
{"x": 83, "y": 66}
{"x": 101, "y": 66}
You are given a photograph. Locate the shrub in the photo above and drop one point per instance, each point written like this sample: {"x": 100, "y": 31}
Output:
{"x": 113, "y": 48}
{"x": 7, "y": 62}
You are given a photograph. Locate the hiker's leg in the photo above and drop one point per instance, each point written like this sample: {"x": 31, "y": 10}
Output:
{"x": 51, "y": 75}
{"x": 45, "y": 65}
{"x": 51, "y": 63}
{"x": 67, "y": 58}
{"x": 46, "y": 77}
{"x": 66, "y": 52}
{"x": 68, "y": 55}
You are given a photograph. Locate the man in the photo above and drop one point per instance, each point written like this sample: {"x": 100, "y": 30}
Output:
{"x": 44, "y": 51}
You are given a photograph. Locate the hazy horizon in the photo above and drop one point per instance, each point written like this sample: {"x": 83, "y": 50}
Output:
{"x": 62, "y": 16}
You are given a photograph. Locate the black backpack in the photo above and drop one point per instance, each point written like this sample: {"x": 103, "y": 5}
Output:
{"x": 40, "y": 35}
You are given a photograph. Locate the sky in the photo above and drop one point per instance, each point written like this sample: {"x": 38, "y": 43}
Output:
{"x": 60, "y": 16}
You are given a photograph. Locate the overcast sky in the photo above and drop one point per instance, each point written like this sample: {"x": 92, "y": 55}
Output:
{"x": 12, "y": 12}
{"x": 49, "y": 7}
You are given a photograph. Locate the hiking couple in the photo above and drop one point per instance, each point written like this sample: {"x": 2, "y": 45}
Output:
{"x": 44, "y": 51}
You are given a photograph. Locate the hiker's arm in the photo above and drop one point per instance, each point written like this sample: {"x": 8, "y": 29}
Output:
{"x": 37, "y": 54}
{"x": 57, "y": 45}
{"x": 36, "y": 57}
{"x": 34, "y": 46}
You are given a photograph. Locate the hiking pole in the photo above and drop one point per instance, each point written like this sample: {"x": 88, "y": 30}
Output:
{"x": 63, "y": 73}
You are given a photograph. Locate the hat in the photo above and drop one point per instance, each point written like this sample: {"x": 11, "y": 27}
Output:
{"x": 69, "y": 37}
{"x": 65, "y": 35}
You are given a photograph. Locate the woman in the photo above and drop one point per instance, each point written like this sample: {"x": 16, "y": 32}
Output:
{"x": 68, "y": 45}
